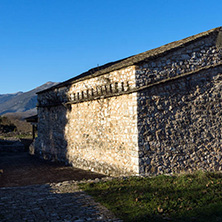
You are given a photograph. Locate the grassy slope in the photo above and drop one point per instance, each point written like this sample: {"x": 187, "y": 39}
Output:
{"x": 196, "y": 197}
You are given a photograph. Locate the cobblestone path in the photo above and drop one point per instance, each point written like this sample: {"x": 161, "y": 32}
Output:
{"x": 50, "y": 202}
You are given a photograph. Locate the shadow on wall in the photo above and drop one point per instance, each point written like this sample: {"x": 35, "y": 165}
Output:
{"x": 179, "y": 115}
{"x": 179, "y": 124}
{"x": 51, "y": 142}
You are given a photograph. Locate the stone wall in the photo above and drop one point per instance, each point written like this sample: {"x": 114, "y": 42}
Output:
{"x": 193, "y": 56}
{"x": 180, "y": 124}
{"x": 111, "y": 84}
{"x": 173, "y": 126}
{"x": 161, "y": 115}
{"x": 102, "y": 135}
{"x": 51, "y": 141}
{"x": 92, "y": 124}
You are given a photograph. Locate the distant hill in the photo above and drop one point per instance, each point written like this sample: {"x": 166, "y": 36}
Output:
{"x": 6, "y": 97}
{"x": 22, "y": 104}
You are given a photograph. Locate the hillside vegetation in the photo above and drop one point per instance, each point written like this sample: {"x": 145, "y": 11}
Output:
{"x": 14, "y": 127}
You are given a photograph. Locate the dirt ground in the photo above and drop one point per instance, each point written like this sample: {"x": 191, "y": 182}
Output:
{"x": 21, "y": 169}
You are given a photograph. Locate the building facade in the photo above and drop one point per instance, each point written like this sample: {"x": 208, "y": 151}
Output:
{"x": 152, "y": 113}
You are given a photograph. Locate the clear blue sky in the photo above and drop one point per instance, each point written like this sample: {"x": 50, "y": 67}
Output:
{"x": 54, "y": 40}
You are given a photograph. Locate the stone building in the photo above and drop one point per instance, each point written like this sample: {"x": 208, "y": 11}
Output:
{"x": 152, "y": 113}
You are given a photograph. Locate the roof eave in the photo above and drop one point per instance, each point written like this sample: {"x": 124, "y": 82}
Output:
{"x": 134, "y": 60}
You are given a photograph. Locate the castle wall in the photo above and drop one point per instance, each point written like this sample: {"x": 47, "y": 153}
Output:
{"x": 179, "y": 119}
{"x": 180, "y": 124}
{"x": 161, "y": 115}
{"x": 51, "y": 142}
{"x": 195, "y": 55}
{"x": 102, "y": 135}
{"x": 97, "y": 127}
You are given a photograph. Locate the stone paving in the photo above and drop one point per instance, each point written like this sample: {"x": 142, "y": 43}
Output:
{"x": 62, "y": 201}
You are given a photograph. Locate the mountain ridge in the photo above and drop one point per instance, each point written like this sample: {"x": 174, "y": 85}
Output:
{"x": 22, "y": 102}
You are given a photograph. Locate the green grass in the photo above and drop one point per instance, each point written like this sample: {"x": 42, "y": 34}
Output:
{"x": 191, "y": 197}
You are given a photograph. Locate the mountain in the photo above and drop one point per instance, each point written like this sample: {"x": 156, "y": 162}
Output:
{"x": 21, "y": 103}
{"x": 6, "y": 97}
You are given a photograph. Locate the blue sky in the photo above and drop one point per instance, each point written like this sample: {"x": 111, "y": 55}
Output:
{"x": 54, "y": 40}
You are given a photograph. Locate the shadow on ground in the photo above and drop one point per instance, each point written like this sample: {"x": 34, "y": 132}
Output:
{"x": 50, "y": 202}
{"x": 22, "y": 169}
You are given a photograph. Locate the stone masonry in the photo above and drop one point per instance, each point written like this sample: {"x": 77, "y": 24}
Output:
{"x": 152, "y": 113}
{"x": 98, "y": 134}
